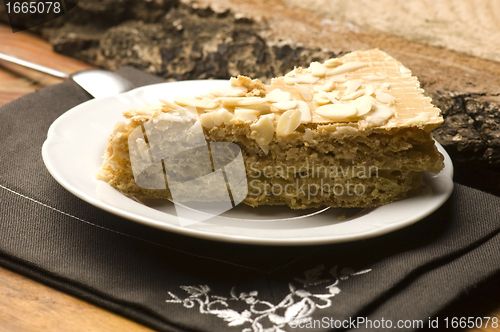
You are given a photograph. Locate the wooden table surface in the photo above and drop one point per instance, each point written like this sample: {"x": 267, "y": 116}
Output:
{"x": 27, "y": 305}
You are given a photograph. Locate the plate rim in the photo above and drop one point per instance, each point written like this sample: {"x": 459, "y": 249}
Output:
{"x": 446, "y": 174}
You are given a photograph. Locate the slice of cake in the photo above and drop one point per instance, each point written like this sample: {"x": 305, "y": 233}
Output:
{"x": 349, "y": 132}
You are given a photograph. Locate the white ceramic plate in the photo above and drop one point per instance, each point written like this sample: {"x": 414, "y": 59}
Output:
{"x": 73, "y": 154}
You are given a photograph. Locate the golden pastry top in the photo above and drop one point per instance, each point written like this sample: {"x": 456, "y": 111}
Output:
{"x": 363, "y": 90}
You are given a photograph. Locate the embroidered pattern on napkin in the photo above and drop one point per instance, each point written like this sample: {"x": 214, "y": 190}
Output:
{"x": 263, "y": 316}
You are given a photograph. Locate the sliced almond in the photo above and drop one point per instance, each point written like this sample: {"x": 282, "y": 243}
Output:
{"x": 384, "y": 97}
{"x": 285, "y": 105}
{"x": 277, "y": 95}
{"x": 168, "y": 106}
{"x": 369, "y": 89}
{"x": 380, "y": 115}
{"x": 305, "y": 111}
{"x": 338, "y": 78}
{"x": 254, "y": 103}
{"x": 245, "y": 114}
{"x": 363, "y": 105}
{"x": 225, "y": 114}
{"x": 230, "y": 91}
{"x": 217, "y": 118}
{"x": 346, "y": 68}
{"x": 271, "y": 116}
{"x": 181, "y": 114}
{"x": 352, "y": 86}
{"x": 301, "y": 80}
{"x": 206, "y": 120}
{"x": 288, "y": 122}
{"x": 353, "y": 95}
{"x": 321, "y": 99}
{"x": 263, "y": 131}
{"x": 241, "y": 101}
{"x": 327, "y": 87}
{"x": 146, "y": 110}
{"x": 332, "y": 96}
{"x": 204, "y": 103}
{"x": 317, "y": 69}
{"x": 332, "y": 62}
{"x": 304, "y": 92}
{"x": 337, "y": 112}
{"x": 422, "y": 117}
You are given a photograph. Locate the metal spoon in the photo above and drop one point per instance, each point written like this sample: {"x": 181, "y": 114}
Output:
{"x": 99, "y": 83}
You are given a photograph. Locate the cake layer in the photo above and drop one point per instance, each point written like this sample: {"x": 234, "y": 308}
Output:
{"x": 310, "y": 177}
{"x": 404, "y": 149}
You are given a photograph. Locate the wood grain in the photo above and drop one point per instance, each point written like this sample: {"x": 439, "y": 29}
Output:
{"x": 26, "y": 305}
{"x": 15, "y": 80}
{"x": 467, "y": 26}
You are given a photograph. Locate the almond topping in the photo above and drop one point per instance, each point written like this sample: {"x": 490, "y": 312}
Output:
{"x": 317, "y": 69}
{"x": 225, "y": 114}
{"x": 304, "y": 92}
{"x": 353, "y": 95}
{"x": 305, "y": 110}
{"x": 337, "y": 112}
{"x": 363, "y": 105}
{"x": 270, "y": 116}
{"x": 241, "y": 101}
{"x": 384, "y": 97}
{"x": 277, "y": 95}
{"x": 338, "y": 78}
{"x": 332, "y": 62}
{"x": 352, "y": 86}
{"x": 321, "y": 99}
{"x": 204, "y": 103}
{"x": 332, "y": 96}
{"x": 369, "y": 90}
{"x": 379, "y": 115}
{"x": 254, "y": 103}
{"x": 262, "y": 131}
{"x": 147, "y": 110}
{"x": 245, "y": 114}
{"x": 285, "y": 105}
{"x": 347, "y": 67}
{"x": 288, "y": 122}
{"x": 168, "y": 106}
{"x": 206, "y": 120}
{"x": 301, "y": 80}
{"x": 217, "y": 118}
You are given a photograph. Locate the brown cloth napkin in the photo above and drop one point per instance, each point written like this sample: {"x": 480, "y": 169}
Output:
{"x": 175, "y": 283}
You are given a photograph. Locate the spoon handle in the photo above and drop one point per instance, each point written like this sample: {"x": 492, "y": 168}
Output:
{"x": 34, "y": 66}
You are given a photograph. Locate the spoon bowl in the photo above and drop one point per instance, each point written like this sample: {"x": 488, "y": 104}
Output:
{"x": 101, "y": 83}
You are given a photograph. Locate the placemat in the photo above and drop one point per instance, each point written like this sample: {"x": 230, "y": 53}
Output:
{"x": 175, "y": 283}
